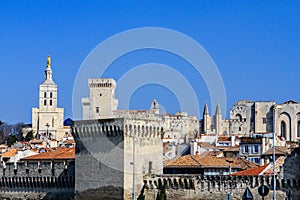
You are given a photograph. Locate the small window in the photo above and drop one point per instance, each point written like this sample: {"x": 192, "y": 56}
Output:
{"x": 45, "y": 94}
{"x": 100, "y": 94}
{"x": 256, "y": 148}
{"x": 51, "y": 102}
{"x": 246, "y": 149}
{"x": 240, "y": 128}
{"x": 264, "y": 120}
{"x": 45, "y": 102}
{"x": 50, "y": 94}
{"x": 97, "y": 109}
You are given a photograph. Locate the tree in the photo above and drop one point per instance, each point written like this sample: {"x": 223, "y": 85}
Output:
{"x": 11, "y": 139}
{"x": 142, "y": 196}
{"x": 29, "y": 136}
{"x": 161, "y": 195}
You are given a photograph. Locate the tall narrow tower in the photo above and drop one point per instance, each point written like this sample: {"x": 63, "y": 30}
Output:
{"x": 47, "y": 120}
{"x": 206, "y": 119}
{"x": 218, "y": 120}
{"x": 101, "y": 102}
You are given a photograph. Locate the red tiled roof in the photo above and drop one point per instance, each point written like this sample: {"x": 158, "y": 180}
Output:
{"x": 9, "y": 153}
{"x": 69, "y": 141}
{"x": 35, "y": 141}
{"x": 200, "y": 162}
{"x": 251, "y": 172}
{"x": 58, "y": 154}
{"x": 224, "y": 139}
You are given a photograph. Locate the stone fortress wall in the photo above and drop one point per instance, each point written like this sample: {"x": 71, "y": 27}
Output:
{"x": 216, "y": 187}
{"x": 119, "y": 152}
{"x": 37, "y": 180}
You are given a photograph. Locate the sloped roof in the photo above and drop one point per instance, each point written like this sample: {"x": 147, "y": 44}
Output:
{"x": 200, "y": 162}
{"x": 279, "y": 150}
{"x": 251, "y": 172}
{"x": 231, "y": 149}
{"x": 58, "y": 154}
{"x": 9, "y": 153}
{"x": 278, "y": 163}
{"x": 224, "y": 139}
{"x": 36, "y": 141}
{"x": 290, "y": 101}
{"x": 69, "y": 142}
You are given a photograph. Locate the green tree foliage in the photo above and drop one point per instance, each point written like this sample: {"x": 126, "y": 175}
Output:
{"x": 11, "y": 139}
{"x": 29, "y": 136}
{"x": 161, "y": 195}
{"x": 142, "y": 196}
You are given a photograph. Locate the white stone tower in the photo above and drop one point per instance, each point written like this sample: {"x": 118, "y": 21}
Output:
{"x": 47, "y": 120}
{"x": 206, "y": 119}
{"x": 155, "y": 106}
{"x": 101, "y": 102}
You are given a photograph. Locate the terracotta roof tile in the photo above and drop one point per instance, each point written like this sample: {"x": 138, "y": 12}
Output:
{"x": 69, "y": 141}
{"x": 224, "y": 139}
{"x": 58, "y": 154}
{"x": 251, "y": 172}
{"x": 279, "y": 150}
{"x": 9, "y": 153}
{"x": 35, "y": 141}
{"x": 201, "y": 162}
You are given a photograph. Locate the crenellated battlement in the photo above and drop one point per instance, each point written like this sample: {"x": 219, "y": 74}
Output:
{"x": 63, "y": 168}
{"x": 221, "y": 183}
{"x": 216, "y": 187}
{"x": 38, "y": 179}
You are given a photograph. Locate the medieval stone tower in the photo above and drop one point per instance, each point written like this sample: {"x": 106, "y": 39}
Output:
{"x": 101, "y": 102}
{"x": 47, "y": 120}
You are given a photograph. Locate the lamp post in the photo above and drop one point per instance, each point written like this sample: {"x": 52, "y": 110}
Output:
{"x": 133, "y": 165}
{"x": 274, "y": 170}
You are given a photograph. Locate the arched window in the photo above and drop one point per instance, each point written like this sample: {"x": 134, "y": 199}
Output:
{"x": 50, "y": 94}
{"x": 50, "y": 102}
{"x": 45, "y": 102}
{"x": 283, "y": 129}
{"x": 239, "y": 117}
{"x": 298, "y": 125}
{"x": 45, "y": 94}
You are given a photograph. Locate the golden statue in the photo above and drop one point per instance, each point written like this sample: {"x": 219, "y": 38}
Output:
{"x": 48, "y": 61}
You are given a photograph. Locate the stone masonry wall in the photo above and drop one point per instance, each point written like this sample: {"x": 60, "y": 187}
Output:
{"x": 216, "y": 187}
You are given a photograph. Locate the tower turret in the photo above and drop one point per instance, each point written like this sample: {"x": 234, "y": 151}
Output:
{"x": 218, "y": 119}
{"x": 206, "y": 119}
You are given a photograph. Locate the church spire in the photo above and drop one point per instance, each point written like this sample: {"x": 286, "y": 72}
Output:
{"x": 218, "y": 111}
{"x": 206, "y": 112}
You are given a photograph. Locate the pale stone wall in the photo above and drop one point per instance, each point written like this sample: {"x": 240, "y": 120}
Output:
{"x": 101, "y": 102}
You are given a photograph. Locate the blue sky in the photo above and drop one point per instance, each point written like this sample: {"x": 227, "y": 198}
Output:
{"x": 255, "y": 45}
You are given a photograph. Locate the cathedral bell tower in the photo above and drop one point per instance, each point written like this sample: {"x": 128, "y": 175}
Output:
{"x": 47, "y": 120}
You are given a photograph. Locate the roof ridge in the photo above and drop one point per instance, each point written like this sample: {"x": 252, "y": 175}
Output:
{"x": 192, "y": 156}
